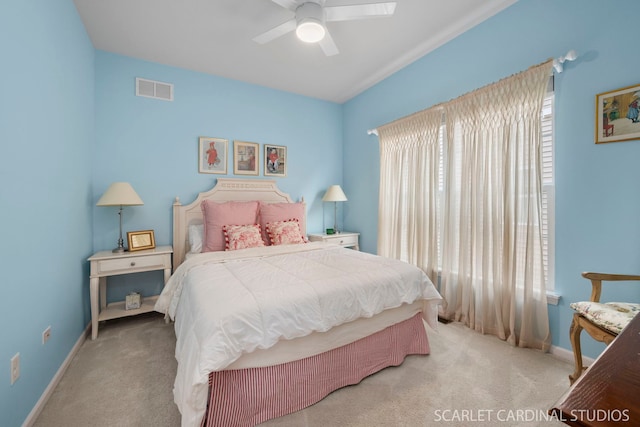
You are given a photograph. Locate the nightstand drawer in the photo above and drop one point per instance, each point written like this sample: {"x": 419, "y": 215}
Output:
{"x": 349, "y": 240}
{"x": 131, "y": 264}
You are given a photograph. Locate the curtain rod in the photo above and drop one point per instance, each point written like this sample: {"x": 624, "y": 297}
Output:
{"x": 557, "y": 65}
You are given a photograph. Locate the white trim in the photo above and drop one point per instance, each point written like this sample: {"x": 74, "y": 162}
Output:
{"x": 567, "y": 355}
{"x": 428, "y": 46}
{"x": 39, "y": 406}
{"x": 553, "y": 298}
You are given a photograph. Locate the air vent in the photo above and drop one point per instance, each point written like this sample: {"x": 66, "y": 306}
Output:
{"x": 154, "y": 89}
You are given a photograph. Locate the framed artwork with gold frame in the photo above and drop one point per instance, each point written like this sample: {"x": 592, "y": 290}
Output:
{"x": 140, "y": 240}
{"x": 617, "y": 115}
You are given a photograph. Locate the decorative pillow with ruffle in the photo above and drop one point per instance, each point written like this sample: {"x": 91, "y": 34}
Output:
{"x": 285, "y": 232}
{"x": 242, "y": 237}
{"x": 215, "y": 215}
{"x": 272, "y": 212}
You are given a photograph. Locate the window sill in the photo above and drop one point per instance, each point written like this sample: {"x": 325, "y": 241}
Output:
{"x": 553, "y": 298}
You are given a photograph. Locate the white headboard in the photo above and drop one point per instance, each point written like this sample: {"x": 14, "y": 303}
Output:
{"x": 225, "y": 190}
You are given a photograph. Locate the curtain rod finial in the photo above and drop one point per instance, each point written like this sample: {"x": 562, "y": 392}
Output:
{"x": 572, "y": 55}
{"x": 372, "y": 132}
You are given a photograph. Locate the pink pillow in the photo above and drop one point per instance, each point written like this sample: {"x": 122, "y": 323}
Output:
{"x": 272, "y": 212}
{"x": 216, "y": 215}
{"x": 285, "y": 232}
{"x": 242, "y": 237}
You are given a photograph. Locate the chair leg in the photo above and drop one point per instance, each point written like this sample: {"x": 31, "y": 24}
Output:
{"x": 574, "y": 337}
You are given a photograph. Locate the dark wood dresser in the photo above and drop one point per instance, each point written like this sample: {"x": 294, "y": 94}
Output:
{"x": 608, "y": 393}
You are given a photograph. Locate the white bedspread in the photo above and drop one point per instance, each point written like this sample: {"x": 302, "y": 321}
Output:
{"x": 229, "y": 303}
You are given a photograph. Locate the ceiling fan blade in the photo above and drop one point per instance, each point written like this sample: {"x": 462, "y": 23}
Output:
{"x": 276, "y": 32}
{"x": 359, "y": 11}
{"x": 287, "y": 4}
{"x": 328, "y": 45}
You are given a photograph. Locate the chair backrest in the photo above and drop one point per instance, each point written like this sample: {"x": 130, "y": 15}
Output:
{"x": 597, "y": 279}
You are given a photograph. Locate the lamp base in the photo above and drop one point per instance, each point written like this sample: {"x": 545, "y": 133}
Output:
{"x": 120, "y": 248}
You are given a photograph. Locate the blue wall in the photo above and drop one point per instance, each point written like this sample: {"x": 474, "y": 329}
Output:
{"x": 153, "y": 144}
{"x": 597, "y": 196}
{"x": 46, "y": 134}
{"x": 70, "y": 125}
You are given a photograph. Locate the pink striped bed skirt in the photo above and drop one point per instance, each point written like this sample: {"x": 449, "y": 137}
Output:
{"x": 246, "y": 397}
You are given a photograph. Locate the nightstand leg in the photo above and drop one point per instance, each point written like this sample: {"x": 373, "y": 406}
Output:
{"x": 103, "y": 293}
{"x": 93, "y": 290}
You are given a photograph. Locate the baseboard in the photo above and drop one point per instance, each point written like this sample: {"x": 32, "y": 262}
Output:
{"x": 33, "y": 415}
{"x": 567, "y": 355}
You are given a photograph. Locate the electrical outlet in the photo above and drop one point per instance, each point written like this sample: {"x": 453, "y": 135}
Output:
{"x": 46, "y": 335}
{"x": 15, "y": 368}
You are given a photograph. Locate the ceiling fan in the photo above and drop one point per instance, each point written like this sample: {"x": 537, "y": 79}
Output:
{"x": 311, "y": 16}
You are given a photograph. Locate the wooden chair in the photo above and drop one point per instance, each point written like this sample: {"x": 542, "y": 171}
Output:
{"x": 603, "y": 321}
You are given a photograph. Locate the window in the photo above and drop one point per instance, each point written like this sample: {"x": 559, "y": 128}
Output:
{"x": 486, "y": 216}
{"x": 548, "y": 190}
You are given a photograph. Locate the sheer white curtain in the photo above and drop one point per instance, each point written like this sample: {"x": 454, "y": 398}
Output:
{"x": 488, "y": 222}
{"x": 492, "y": 270}
{"x": 409, "y": 170}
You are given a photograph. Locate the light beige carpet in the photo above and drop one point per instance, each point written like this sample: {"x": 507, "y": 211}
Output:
{"x": 125, "y": 378}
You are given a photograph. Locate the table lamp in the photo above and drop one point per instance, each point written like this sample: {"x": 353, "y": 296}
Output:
{"x": 120, "y": 194}
{"x": 334, "y": 194}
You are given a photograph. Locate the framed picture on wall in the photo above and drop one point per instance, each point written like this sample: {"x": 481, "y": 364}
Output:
{"x": 617, "y": 115}
{"x": 212, "y": 155}
{"x": 245, "y": 158}
{"x": 275, "y": 160}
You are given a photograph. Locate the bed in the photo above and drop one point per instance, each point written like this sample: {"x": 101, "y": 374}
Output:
{"x": 264, "y": 331}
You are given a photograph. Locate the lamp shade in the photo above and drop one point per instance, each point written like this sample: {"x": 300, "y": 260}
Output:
{"x": 334, "y": 194}
{"x": 120, "y": 194}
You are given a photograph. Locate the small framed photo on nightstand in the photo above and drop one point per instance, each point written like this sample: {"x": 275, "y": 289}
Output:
{"x": 139, "y": 240}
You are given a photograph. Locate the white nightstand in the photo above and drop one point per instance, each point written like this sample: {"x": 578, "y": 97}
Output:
{"x": 344, "y": 238}
{"x": 107, "y": 263}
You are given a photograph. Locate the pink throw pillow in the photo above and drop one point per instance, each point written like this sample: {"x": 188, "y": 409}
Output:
{"x": 285, "y": 232}
{"x": 216, "y": 215}
{"x": 242, "y": 237}
{"x": 272, "y": 212}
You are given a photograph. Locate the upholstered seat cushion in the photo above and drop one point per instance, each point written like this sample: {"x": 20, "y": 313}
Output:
{"x": 612, "y": 316}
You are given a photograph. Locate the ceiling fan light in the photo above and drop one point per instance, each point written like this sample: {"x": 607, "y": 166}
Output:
{"x": 310, "y": 30}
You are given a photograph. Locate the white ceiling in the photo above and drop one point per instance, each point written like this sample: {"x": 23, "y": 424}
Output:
{"x": 215, "y": 37}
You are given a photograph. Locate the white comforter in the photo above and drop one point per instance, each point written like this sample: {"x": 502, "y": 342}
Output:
{"x": 229, "y": 303}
